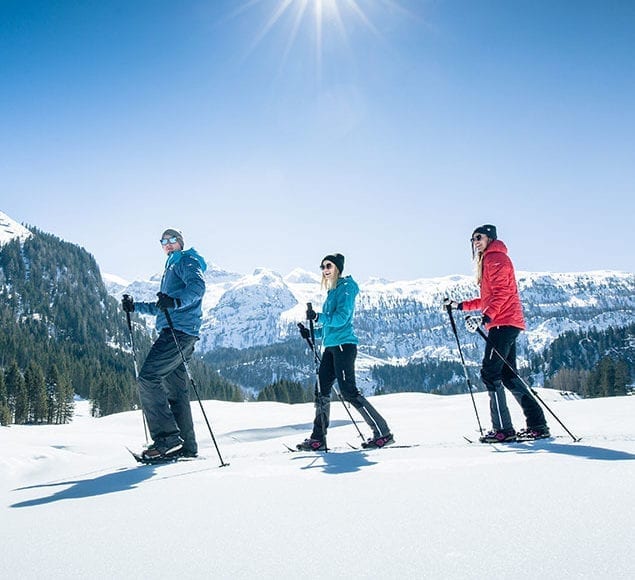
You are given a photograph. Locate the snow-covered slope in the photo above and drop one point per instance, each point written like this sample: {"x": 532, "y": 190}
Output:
{"x": 10, "y": 229}
{"x": 75, "y": 505}
{"x": 248, "y": 312}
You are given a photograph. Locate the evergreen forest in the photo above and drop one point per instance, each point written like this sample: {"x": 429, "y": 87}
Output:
{"x": 597, "y": 363}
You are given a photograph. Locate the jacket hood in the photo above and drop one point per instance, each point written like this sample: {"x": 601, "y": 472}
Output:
{"x": 177, "y": 256}
{"x": 496, "y": 246}
{"x": 348, "y": 281}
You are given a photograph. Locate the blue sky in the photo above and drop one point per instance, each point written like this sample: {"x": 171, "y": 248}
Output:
{"x": 272, "y": 134}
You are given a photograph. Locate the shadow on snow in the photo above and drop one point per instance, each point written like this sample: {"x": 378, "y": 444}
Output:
{"x": 121, "y": 480}
{"x": 336, "y": 463}
{"x": 573, "y": 449}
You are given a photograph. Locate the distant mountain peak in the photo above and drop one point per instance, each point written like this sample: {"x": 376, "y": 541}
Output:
{"x": 10, "y": 229}
{"x": 300, "y": 276}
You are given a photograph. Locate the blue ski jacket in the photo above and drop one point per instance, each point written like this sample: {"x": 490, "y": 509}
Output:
{"x": 336, "y": 318}
{"x": 182, "y": 280}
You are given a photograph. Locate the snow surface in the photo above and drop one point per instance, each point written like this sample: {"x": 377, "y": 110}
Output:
{"x": 10, "y": 229}
{"x": 76, "y": 505}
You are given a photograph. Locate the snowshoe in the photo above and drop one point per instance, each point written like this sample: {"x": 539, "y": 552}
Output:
{"x": 533, "y": 434}
{"x": 379, "y": 442}
{"x": 311, "y": 444}
{"x": 507, "y": 436}
{"x": 188, "y": 453}
{"x": 157, "y": 453}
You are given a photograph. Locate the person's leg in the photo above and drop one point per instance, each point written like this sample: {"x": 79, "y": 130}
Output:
{"x": 161, "y": 361}
{"x": 326, "y": 378}
{"x": 344, "y": 357}
{"x": 534, "y": 415}
{"x": 177, "y": 383}
{"x": 500, "y": 338}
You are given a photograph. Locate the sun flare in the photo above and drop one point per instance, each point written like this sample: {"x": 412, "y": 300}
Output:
{"x": 317, "y": 20}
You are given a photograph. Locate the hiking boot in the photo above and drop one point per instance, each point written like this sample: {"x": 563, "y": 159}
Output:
{"x": 311, "y": 444}
{"x": 533, "y": 433}
{"x": 378, "y": 442}
{"x": 160, "y": 451}
{"x": 506, "y": 436}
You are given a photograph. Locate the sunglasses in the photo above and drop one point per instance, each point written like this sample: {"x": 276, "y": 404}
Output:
{"x": 326, "y": 266}
{"x": 477, "y": 238}
{"x": 170, "y": 240}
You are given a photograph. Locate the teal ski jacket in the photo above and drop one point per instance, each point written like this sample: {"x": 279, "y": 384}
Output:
{"x": 336, "y": 318}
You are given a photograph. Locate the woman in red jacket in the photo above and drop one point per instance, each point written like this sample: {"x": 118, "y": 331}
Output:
{"x": 502, "y": 315}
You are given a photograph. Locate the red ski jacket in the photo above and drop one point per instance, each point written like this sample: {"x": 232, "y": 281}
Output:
{"x": 499, "y": 292}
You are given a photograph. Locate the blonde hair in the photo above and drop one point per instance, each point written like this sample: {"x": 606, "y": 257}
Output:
{"x": 478, "y": 266}
{"x": 330, "y": 284}
{"x": 478, "y": 260}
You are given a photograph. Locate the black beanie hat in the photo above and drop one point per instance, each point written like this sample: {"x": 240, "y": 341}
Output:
{"x": 337, "y": 259}
{"x": 488, "y": 229}
{"x": 176, "y": 233}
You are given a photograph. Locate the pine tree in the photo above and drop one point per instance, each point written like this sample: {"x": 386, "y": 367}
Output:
{"x": 36, "y": 391}
{"x": 51, "y": 401}
{"x": 5, "y": 415}
{"x": 622, "y": 378}
{"x": 17, "y": 395}
{"x": 285, "y": 391}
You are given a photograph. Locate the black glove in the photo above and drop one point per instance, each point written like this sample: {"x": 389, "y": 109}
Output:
{"x": 311, "y": 314}
{"x": 166, "y": 301}
{"x": 127, "y": 303}
{"x": 304, "y": 331}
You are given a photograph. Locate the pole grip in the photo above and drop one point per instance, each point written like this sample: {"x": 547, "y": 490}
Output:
{"x": 309, "y": 308}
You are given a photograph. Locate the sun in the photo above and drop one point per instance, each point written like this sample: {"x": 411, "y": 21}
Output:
{"x": 296, "y": 18}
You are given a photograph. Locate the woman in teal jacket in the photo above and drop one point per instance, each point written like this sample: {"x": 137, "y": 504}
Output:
{"x": 335, "y": 325}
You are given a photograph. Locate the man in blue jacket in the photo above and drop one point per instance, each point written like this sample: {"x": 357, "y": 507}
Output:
{"x": 163, "y": 383}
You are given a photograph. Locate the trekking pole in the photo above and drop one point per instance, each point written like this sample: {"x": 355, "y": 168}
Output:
{"x": 310, "y": 338}
{"x": 189, "y": 376}
{"x": 136, "y": 366}
{"x": 531, "y": 390}
{"x": 307, "y": 335}
{"x": 467, "y": 377}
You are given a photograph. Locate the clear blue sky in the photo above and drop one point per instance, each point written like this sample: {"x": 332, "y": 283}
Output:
{"x": 383, "y": 129}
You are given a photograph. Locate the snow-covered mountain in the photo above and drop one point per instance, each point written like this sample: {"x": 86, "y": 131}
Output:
{"x": 10, "y": 229}
{"x": 398, "y": 321}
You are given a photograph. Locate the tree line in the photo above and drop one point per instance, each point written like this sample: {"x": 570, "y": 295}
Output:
{"x": 284, "y": 391}
{"x": 593, "y": 363}
{"x": 34, "y": 396}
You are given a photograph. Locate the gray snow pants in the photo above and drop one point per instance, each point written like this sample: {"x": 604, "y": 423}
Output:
{"x": 164, "y": 391}
{"x": 338, "y": 363}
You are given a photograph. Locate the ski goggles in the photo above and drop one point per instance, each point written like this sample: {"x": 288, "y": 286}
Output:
{"x": 170, "y": 240}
